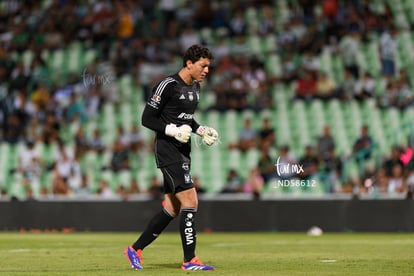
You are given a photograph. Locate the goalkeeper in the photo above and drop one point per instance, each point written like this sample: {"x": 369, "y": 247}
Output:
{"x": 169, "y": 112}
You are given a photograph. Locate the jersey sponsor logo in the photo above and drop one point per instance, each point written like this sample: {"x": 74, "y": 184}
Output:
{"x": 188, "y": 231}
{"x": 187, "y": 178}
{"x": 185, "y": 116}
{"x": 182, "y": 97}
{"x": 189, "y": 237}
{"x": 156, "y": 98}
{"x": 186, "y": 166}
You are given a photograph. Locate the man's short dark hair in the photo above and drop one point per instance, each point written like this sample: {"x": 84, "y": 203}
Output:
{"x": 195, "y": 52}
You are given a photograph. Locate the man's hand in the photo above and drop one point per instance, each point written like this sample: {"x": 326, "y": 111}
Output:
{"x": 209, "y": 135}
{"x": 182, "y": 133}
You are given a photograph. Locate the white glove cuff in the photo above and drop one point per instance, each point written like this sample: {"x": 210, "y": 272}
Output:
{"x": 171, "y": 130}
{"x": 201, "y": 130}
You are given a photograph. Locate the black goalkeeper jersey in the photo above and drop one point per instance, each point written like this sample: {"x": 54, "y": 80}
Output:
{"x": 171, "y": 101}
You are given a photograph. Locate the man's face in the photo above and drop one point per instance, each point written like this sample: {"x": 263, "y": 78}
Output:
{"x": 199, "y": 69}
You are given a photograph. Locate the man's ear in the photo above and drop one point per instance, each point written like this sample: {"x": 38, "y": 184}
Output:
{"x": 189, "y": 64}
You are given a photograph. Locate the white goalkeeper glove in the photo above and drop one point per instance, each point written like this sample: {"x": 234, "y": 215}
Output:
{"x": 209, "y": 134}
{"x": 182, "y": 133}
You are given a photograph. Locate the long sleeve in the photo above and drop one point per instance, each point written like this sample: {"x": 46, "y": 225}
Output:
{"x": 151, "y": 119}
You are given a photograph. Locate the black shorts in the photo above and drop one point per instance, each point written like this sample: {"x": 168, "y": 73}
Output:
{"x": 177, "y": 177}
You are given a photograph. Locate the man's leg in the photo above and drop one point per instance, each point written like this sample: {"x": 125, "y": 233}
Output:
{"x": 189, "y": 204}
{"x": 152, "y": 231}
{"x": 158, "y": 222}
{"x": 156, "y": 225}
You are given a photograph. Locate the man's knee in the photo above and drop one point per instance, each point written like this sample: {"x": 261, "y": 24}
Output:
{"x": 188, "y": 198}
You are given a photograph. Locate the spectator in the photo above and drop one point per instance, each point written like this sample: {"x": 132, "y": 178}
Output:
{"x": 234, "y": 182}
{"x": 62, "y": 175}
{"x": 363, "y": 147}
{"x": 104, "y": 190}
{"x": 75, "y": 110}
{"x": 396, "y": 182}
{"x": 134, "y": 187}
{"x": 390, "y": 96}
{"x": 325, "y": 87}
{"x": 188, "y": 37}
{"x": 29, "y": 194}
{"x": 388, "y": 46}
{"x": 267, "y": 24}
{"x": 346, "y": 88}
{"x": 364, "y": 87}
{"x": 236, "y": 95}
{"x": 410, "y": 183}
{"x": 349, "y": 50}
{"x": 247, "y": 137}
{"x": 331, "y": 165}
{"x": 238, "y": 24}
{"x": 136, "y": 139}
{"x": 310, "y": 63}
{"x": 14, "y": 129}
{"x": 30, "y": 165}
{"x": 125, "y": 24}
{"x": 122, "y": 193}
{"x": 51, "y": 129}
{"x": 310, "y": 163}
{"x": 266, "y": 133}
{"x": 290, "y": 68}
{"x": 83, "y": 190}
{"x": 266, "y": 165}
{"x": 404, "y": 94}
{"x": 380, "y": 181}
{"x": 81, "y": 143}
{"x": 120, "y": 156}
{"x": 197, "y": 185}
{"x": 254, "y": 183}
{"x": 305, "y": 87}
{"x": 40, "y": 97}
{"x": 397, "y": 94}
{"x": 155, "y": 189}
{"x": 325, "y": 143}
{"x": 96, "y": 143}
{"x": 93, "y": 102}
{"x": 394, "y": 159}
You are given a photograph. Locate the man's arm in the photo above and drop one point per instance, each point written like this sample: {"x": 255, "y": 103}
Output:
{"x": 151, "y": 116}
{"x": 155, "y": 104}
{"x": 150, "y": 119}
{"x": 194, "y": 125}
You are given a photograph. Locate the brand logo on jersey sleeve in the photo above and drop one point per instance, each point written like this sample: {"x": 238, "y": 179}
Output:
{"x": 156, "y": 98}
{"x": 185, "y": 116}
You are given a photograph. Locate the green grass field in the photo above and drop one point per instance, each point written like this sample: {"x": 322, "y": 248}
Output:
{"x": 230, "y": 253}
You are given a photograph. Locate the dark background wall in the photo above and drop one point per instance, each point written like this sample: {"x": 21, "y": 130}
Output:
{"x": 291, "y": 215}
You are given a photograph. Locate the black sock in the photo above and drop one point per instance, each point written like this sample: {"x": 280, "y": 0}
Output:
{"x": 188, "y": 232}
{"x": 154, "y": 228}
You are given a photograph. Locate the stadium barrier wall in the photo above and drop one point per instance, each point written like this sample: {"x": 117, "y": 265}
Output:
{"x": 280, "y": 215}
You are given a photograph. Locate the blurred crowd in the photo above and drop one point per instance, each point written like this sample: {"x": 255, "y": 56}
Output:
{"x": 145, "y": 39}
